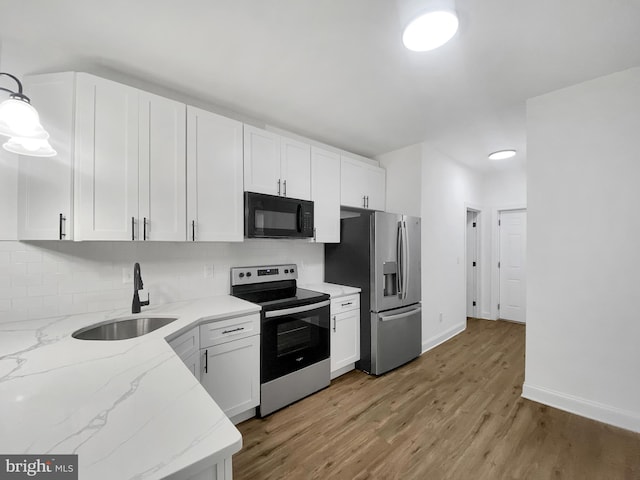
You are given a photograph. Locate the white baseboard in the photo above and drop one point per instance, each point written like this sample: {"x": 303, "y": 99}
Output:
{"x": 342, "y": 371}
{"x": 241, "y": 417}
{"x": 585, "y": 408}
{"x": 443, "y": 337}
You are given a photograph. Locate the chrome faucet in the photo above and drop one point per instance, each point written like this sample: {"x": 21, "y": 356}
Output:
{"x": 137, "y": 285}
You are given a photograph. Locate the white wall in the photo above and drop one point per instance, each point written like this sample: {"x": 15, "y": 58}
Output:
{"x": 447, "y": 189}
{"x": 583, "y": 326}
{"x": 43, "y": 279}
{"x": 404, "y": 179}
{"x": 500, "y": 190}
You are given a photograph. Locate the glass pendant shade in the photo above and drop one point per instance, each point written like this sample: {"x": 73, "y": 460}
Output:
{"x": 19, "y": 119}
{"x": 35, "y": 147}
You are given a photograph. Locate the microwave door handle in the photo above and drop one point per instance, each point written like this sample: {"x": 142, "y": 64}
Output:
{"x": 299, "y": 219}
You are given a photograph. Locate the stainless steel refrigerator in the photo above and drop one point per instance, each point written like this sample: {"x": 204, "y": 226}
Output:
{"x": 380, "y": 253}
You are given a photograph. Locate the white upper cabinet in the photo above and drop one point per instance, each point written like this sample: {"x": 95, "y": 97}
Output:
{"x": 362, "y": 185}
{"x": 162, "y": 168}
{"x": 45, "y": 198}
{"x": 130, "y": 166}
{"x": 215, "y": 209}
{"x": 325, "y": 193}
{"x": 276, "y": 165}
{"x": 261, "y": 161}
{"x": 295, "y": 168}
{"x": 106, "y": 160}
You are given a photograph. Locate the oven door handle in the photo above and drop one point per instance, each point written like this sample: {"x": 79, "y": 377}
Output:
{"x": 293, "y": 310}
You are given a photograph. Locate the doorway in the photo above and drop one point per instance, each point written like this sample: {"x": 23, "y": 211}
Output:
{"x": 512, "y": 265}
{"x": 472, "y": 267}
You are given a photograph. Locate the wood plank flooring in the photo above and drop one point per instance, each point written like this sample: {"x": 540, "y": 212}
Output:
{"x": 454, "y": 413}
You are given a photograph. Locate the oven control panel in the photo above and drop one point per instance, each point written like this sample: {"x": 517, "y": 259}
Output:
{"x": 266, "y": 273}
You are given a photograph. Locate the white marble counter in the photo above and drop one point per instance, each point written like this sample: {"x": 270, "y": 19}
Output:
{"x": 128, "y": 408}
{"x": 332, "y": 289}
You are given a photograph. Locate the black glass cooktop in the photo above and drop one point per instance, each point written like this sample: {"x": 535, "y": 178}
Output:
{"x": 277, "y": 295}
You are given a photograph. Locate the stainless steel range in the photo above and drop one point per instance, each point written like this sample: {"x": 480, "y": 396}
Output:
{"x": 294, "y": 334}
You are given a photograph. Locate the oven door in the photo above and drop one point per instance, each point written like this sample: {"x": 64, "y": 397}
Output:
{"x": 270, "y": 216}
{"x": 293, "y": 338}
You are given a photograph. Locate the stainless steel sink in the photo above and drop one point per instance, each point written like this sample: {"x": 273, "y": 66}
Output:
{"x": 122, "y": 328}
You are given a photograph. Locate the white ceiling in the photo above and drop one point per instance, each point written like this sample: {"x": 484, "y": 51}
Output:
{"x": 335, "y": 70}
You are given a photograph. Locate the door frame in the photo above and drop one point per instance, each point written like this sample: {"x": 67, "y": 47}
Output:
{"x": 495, "y": 271}
{"x": 478, "y": 211}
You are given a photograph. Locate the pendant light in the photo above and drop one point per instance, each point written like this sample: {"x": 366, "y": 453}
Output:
{"x": 21, "y": 122}
{"x": 427, "y": 24}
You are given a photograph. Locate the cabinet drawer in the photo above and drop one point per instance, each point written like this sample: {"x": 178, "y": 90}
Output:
{"x": 223, "y": 331}
{"x": 186, "y": 344}
{"x": 345, "y": 304}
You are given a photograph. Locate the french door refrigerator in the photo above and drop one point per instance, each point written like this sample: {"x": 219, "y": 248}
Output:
{"x": 379, "y": 252}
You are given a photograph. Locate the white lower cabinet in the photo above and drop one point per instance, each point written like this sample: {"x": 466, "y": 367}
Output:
{"x": 187, "y": 347}
{"x": 220, "y": 471}
{"x": 345, "y": 334}
{"x": 230, "y": 363}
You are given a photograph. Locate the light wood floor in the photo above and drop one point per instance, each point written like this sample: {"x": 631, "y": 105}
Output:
{"x": 454, "y": 413}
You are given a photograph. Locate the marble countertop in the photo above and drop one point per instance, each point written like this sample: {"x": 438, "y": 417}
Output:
{"x": 128, "y": 408}
{"x": 332, "y": 289}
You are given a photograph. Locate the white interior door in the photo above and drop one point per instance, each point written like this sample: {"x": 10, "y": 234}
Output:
{"x": 513, "y": 262}
{"x": 472, "y": 263}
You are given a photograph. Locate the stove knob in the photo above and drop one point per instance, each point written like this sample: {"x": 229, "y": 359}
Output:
{"x": 248, "y": 274}
{"x": 241, "y": 275}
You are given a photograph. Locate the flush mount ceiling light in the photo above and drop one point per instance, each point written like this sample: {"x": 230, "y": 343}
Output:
{"x": 428, "y": 24}
{"x": 21, "y": 122}
{"x": 502, "y": 154}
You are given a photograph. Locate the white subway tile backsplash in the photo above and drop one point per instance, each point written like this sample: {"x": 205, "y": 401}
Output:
{"x": 41, "y": 279}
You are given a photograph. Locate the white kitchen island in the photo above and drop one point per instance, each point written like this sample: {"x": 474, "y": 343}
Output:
{"x": 128, "y": 408}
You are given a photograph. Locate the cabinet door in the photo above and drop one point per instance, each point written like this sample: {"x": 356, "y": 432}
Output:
{"x": 262, "y": 161}
{"x": 352, "y": 183}
{"x": 45, "y": 184}
{"x": 193, "y": 364}
{"x": 375, "y": 187}
{"x": 345, "y": 339}
{"x": 231, "y": 374}
{"x": 106, "y": 163}
{"x": 325, "y": 193}
{"x": 162, "y": 169}
{"x": 215, "y": 210}
{"x": 295, "y": 167}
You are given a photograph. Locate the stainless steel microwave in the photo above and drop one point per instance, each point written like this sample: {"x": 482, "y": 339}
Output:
{"x": 271, "y": 216}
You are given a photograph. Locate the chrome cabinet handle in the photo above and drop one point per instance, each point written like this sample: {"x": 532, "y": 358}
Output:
{"x": 364, "y": 201}
{"x": 285, "y": 188}
{"x": 345, "y": 304}
{"x": 193, "y": 230}
{"x": 144, "y": 228}
{"x": 278, "y": 186}
{"x": 63, "y": 220}
{"x": 133, "y": 228}
{"x": 334, "y": 323}
{"x": 206, "y": 361}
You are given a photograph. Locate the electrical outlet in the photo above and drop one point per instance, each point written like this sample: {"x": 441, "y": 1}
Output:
{"x": 127, "y": 275}
{"x": 208, "y": 271}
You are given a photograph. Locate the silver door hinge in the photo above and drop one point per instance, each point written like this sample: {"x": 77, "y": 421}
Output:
{"x": 474, "y": 264}
{"x": 498, "y": 306}
{"x": 474, "y": 303}
{"x": 474, "y": 225}
{"x": 499, "y": 222}
{"x": 498, "y": 264}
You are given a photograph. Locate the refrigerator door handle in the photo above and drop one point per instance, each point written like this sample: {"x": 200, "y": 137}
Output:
{"x": 399, "y": 277}
{"x": 387, "y": 318}
{"x": 405, "y": 261}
